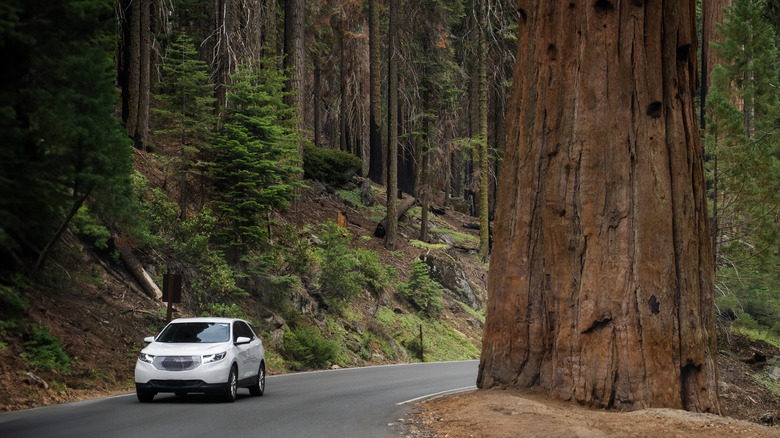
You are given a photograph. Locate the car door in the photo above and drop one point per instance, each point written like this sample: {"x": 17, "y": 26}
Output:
{"x": 254, "y": 353}
{"x": 243, "y": 352}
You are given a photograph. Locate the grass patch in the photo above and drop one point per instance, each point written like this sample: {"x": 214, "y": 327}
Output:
{"x": 428, "y": 246}
{"x": 353, "y": 196}
{"x": 459, "y": 238}
{"x": 376, "y": 213}
{"x": 478, "y": 314}
{"x": 768, "y": 383}
{"x": 274, "y": 363}
{"x": 759, "y": 334}
{"x": 440, "y": 341}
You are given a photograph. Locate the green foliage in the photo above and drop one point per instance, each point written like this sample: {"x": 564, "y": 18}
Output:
{"x": 296, "y": 251}
{"x": 422, "y": 292}
{"x": 185, "y": 113}
{"x": 255, "y": 168}
{"x": 217, "y": 281}
{"x": 743, "y": 151}
{"x": 330, "y": 166}
{"x": 344, "y": 272}
{"x": 231, "y": 310}
{"x": 187, "y": 104}
{"x": 62, "y": 143}
{"x": 351, "y": 196}
{"x": 306, "y": 348}
{"x": 13, "y": 305}
{"x": 458, "y": 237}
{"x": 376, "y": 275}
{"x": 339, "y": 276}
{"x": 44, "y": 351}
{"x": 86, "y": 224}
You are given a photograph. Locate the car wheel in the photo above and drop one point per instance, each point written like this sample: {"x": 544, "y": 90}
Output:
{"x": 144, "y": 397}
{"x": 259, "y": 386}
{"x": 231, "y": 391}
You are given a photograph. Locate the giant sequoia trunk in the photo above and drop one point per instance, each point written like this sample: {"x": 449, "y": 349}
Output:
{"x": 601, "y": 278}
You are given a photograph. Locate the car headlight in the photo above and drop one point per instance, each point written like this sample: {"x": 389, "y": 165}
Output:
{"x": 148, "y": 358}
{"x": 214, "y": 357}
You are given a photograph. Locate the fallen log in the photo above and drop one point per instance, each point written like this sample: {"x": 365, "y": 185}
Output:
{"x": 138, "y": 272}
{"x": 406, "y": 204}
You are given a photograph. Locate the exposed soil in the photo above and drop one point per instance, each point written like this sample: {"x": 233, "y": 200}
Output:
{"x": 748, "y": 409}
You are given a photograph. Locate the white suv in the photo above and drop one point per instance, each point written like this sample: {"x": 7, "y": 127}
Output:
{"x": 207, "y": 355}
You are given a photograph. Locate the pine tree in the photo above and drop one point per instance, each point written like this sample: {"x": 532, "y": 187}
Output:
{"x": 744, "y": 150}
{"x": 186, "y": 117}
{"x": 256, "y": 161}
{"x": 62, "y": 144}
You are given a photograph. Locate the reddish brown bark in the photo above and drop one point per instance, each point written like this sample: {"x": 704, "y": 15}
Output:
{"x": 601, "y": 278}
{"x": 711, "y": 15}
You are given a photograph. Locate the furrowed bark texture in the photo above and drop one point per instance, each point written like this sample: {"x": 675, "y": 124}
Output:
{"x": 601, "y": 278}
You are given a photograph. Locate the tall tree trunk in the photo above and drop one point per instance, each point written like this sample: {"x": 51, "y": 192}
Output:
{"x": 134, "y": 69}
{"x": 295, "y": 58}
{"x": 316, "y": 103}
{"x": 133, "y": 66}
{"x": 481, "y": 124}
{"x": 712, "y": 13}
{"x": 392, "y": 128}
{"x": 376, "y": 167}
{"x": 343, "y": 144}
{"x": 601, "y": 281}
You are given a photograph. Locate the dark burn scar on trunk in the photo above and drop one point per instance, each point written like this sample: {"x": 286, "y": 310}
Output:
{"x": 655, "y": 305}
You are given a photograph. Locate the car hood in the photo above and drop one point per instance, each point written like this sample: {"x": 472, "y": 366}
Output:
{"x": 180, "y": 349}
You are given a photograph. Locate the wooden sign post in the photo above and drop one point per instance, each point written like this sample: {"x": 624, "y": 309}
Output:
{"x": 171, "y": 292}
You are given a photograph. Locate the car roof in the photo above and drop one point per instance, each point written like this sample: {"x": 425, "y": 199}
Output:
{"x": 206, "y": 319}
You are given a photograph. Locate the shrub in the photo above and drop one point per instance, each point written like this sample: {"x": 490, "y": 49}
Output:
{"x": 44, "y": 351}
{"x": 86, "y": 224}
{"x": 307, "y": 348}
{"x": 330, "y": 166}
{"x": 340, "y": 277}
{"x": 376, "y": 275}
{"x": 422, "y": 292}
{"x": 12, "y": 307}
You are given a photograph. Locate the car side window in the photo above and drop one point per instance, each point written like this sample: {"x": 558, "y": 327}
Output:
{"x": 246, "y": 331}
{"x": 236, "y": 331}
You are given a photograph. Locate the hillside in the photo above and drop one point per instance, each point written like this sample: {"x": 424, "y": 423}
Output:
{"x": 89, "y": 301}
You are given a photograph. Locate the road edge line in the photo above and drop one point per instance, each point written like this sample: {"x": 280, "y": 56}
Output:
{"x": 439, "y": 394}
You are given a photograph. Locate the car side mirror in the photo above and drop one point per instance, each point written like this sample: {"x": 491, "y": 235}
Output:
{"x": 242, "y": 340}
{"x": 149, "y": 339}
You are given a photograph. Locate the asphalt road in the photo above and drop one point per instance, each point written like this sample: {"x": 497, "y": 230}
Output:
{"x": 354, "y": 402}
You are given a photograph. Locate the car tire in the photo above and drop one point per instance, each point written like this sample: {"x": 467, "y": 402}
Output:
{"x": 144, "y": 397}
{"x": 259, "y": 386}
{"x": 231, "y": 388}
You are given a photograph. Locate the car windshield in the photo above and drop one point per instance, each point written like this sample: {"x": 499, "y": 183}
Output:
{"x": 195, "y": 332}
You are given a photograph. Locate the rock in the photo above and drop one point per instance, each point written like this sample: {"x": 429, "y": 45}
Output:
{"x": 723, "y": 387}
{"x": 450, "y": 275}
{"x": 773, "y": 372}
{"x": 477, "y": 323}
{"x": 767, "y": 418}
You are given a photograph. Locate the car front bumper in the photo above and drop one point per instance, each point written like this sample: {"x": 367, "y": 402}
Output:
{"x": 207, "y": 378}
{"x": 155, "y": 386}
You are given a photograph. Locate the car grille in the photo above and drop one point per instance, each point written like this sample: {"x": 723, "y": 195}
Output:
{"x": 176, "y": 363}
